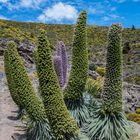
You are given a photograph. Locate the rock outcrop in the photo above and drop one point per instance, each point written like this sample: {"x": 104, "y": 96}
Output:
{"x": 25, "y": 49}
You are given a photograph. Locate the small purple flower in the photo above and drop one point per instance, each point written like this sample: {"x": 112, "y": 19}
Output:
{"x": 58, "y": 68}
{"x": 61, "y": 51}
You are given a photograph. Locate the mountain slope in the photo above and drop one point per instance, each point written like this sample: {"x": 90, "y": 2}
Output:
{"x": 25, "y": 35}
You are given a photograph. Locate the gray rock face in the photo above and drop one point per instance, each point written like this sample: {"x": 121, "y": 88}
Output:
{"x": 131, "y": 97}
{"x": 25, "y": 49}
{"x": 93, "y": 74}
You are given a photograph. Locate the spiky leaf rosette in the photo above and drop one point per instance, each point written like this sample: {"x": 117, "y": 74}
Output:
{"x": 112, "y": 94}
{"x": 61, "y": 122}
{"x": 59, "y": 70}
{"x": 107, "y": 126}
{"x": 73, "y": 93}
{"x": 22, "y": 86}
{"x": 79, "y": 111}
{"x": 61, "y": 51}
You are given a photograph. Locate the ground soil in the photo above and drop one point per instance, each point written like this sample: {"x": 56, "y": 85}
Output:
{"x": 10, "y": 127}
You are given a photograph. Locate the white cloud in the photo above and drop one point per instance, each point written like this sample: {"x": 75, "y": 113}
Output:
{"x": 3, "y": 1}
{"x": 113, "y": 9}
{"x": 99, "y": 8}
{"x": 3, "y": 17}
{"x": 120, "y": 1}
{"x": 111, "y": 17}
{"x": 59, "y": 12}
{"x": 96, "y": 10}
{"x": 22, "y": 4}
{"x": 106, "y": 18}
{"x": 30, "y": 3}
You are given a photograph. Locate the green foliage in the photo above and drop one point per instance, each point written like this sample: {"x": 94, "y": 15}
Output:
{"x": 92, "y": 66}
{"x": 62, "y": 124}
{"x": 135, "y": 78}
{"x": 138, "y": 110}
{"x": 107, "y": 120}
{"x": 10, "y": 81}
{"x": 101, "y": 71}
{"x": 79, "y": 70}
{"x": 107, "y": 126}
{"x": 134, "y": 116}
{"x": 73, "y": 93}
{"x": 39, "y": 131}
{"x": 23, "y": 88}
{"x": 96, "y": 37}
{"x": 95, "y": 87}
{"x": 112, "y": 94}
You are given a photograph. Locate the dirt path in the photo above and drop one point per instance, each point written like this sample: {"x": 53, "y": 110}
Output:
{"x": 8, "y": 114}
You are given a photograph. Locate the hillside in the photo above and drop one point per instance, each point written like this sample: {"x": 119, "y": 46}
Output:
{"x": 25, "y": 35}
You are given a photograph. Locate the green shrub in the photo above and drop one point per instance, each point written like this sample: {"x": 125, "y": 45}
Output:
{"x": 134, "y": 117}
{"x": 138, "y": 110}
{"x": 62, "y": 124}
{"x": 95, "y": 87}
{"x": 92, "y": 66}
{"x": 101, "y": 71}
{"x": 39, "y": 128}
{"x": 135, "y": 78}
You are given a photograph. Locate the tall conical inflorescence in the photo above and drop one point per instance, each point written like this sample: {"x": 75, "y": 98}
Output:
{"x": 10, "y": 81}
{"x": 59, "y": 70}
{"x": 108, "y": 121}
{"x": 29, "y": 100}
{"x": 79, "y": 69}
{"x": 73, "y": 92}
{"x": 61, "y": 51}
{"x": 62, "y": 124}
{"x": 112, "y": 94}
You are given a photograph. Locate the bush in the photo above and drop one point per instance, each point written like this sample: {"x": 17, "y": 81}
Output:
{"x": 101, "y": 71}
{"x": 92, "y": 66}
{"x": 135, "y": 78}
{"x": 134, "y": 117}
{"x": 95, "y": 87}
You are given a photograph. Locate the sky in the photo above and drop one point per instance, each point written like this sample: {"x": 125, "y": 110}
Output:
{"x": 100, "y": 12}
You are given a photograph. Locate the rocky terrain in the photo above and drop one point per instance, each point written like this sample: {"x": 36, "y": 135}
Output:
{"x": 9, "y": 126}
